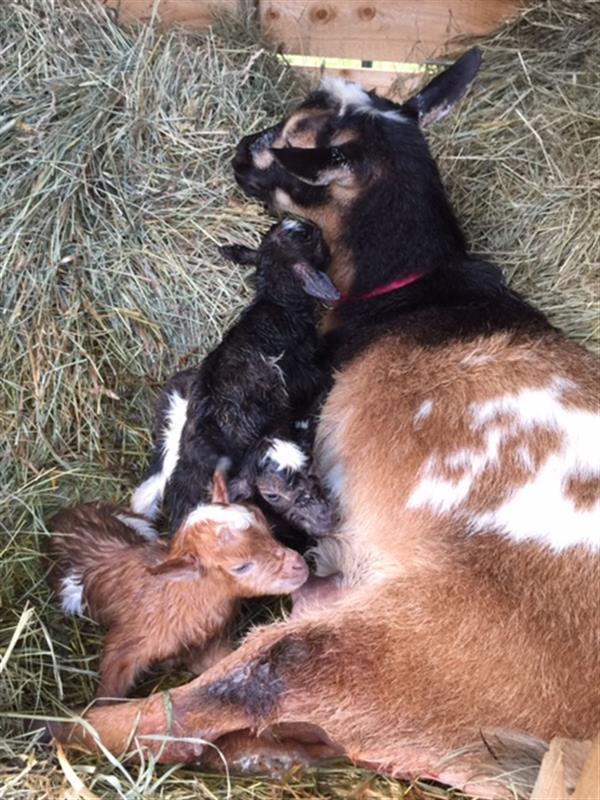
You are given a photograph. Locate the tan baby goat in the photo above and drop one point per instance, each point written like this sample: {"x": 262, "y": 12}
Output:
{"x": 162, "y": 600}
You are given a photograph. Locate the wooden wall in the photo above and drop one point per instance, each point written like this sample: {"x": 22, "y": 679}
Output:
{"x": 402, "y": 31}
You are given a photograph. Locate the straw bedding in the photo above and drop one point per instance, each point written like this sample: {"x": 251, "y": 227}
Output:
{"x": 114, "y": 193}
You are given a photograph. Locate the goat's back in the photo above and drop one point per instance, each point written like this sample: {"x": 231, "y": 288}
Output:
{"x": 96, "y": 539}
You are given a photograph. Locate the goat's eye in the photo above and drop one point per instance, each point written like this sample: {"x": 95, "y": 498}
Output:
{"x": 242, "y": 568}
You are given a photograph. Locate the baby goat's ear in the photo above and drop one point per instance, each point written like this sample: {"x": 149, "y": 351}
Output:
{"x": 178, "y": 568}
{"x": 219, "y": 488}
{"x": 239, "y": 254}
{"x": 316, "y": 283}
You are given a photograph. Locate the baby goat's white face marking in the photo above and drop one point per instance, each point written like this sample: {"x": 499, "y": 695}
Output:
{"x": 234, "y": 516}
{"x": 540, "y": 508}
{"x": 72, "y": 593}
{"x": 141, "y": 526}
{"x": 147, "y": 497}
{"x": 286, "y": 455}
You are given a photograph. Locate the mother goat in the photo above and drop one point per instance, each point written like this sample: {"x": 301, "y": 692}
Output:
{"x": 461, "y": 439}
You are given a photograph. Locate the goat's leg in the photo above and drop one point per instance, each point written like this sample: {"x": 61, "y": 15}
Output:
{"x": 122, "y": 663}
{"x": 245, "y": 752}
{"x": 380, "y": 710}
{"x": 200, "y": 658}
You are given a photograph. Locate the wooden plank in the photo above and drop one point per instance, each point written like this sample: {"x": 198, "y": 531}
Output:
{"x": 195, "y": 14}
{"x": 387, "y": 30}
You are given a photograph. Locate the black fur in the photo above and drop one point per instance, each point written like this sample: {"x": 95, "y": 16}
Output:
{"x": 401, "y": 223}
{"x": 247, "y": 388}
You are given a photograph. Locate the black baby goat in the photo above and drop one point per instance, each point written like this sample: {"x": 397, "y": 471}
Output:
{"x": 238, "y": 406}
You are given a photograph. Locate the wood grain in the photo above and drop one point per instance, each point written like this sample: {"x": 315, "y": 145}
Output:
{"x": 387, "y": 30}
{"x": 197, "y": 14}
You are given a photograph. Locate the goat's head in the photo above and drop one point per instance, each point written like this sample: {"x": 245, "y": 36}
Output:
{"x": 283, "y": 475}
{"x": 291, "y": 262}
{"x": 346, "y": 157}
{"x": 236, "y": 541}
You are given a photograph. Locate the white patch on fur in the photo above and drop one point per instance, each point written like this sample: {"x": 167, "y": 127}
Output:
{"x": 141, "y": 526}
{"x": 291, "y": 224}
{"x": 147, "y": 497}
{"x": 286, "y": 455}
{"x": 263, "y": 159}
{"x": 352, "y": 96}
{"x": 424, "y": 411}
{"x": 476, "y": 358}
{"x": 334, "y": 480}
{"x": 540, "y": 509}
{"x": 281, "y": 200}
{"x": 235, "y": 516}
{"x": 345, "y": 93}
{"x": 72, "y": 593}
{"x": 302, "y": 424}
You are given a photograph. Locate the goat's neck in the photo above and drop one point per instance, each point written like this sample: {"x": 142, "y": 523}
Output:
{"x": 392, "y": 232}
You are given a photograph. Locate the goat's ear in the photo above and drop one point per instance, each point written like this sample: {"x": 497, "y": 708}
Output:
{"x": 178, "y": 567}
{"x": 440, "y": 96}
{"x": 316, "y": 283}
{"x": 316, "y": 165}
{"x": 239, "y": 254}
{"x": 219, "y": 488}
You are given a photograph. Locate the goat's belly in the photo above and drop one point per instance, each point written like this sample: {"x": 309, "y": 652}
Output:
{"x": 413, "y": 446}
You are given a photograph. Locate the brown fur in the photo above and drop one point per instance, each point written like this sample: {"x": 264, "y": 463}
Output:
{"x": 440, "y": 630}
{"x": 161, "y": 601}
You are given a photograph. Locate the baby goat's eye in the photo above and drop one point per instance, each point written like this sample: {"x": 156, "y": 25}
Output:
{"x": 242, "y": 568}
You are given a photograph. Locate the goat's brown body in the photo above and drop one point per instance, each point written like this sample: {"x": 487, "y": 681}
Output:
{"x": 150, "y": 618}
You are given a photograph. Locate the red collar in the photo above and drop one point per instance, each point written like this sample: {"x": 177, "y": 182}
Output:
{"x": 386, "y": 289}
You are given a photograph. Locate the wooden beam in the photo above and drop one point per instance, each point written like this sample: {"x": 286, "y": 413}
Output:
{"x": 386, "y": 30}
{"x": 196, "y": 14}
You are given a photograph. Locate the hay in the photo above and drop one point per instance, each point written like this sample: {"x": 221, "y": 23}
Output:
{"x": 114, "y": 192}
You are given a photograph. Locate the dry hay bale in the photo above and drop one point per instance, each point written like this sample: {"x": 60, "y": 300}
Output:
{"x": 114, "y": 191}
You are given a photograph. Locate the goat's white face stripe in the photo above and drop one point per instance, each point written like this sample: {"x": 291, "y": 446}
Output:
{"x": 286, "y": 455}
{"x": 540, "y": 509}
{"x": 147, "y": 497}
{"x": 141, "y": 526}
{"x": 72, "y": 593}
{"x": 234, "y": 516}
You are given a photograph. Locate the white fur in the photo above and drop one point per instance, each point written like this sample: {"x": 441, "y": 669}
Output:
{"x": 290, "y": 224}
{"x": 141, "y": 526}
{"x": 235, "y": 516}
{"x": 147, "y": 497}
{"x": 540, "y": 509}
{"x": 72, "y": 593}
{"x": 281, "y": 200}
{"x": 352, "y": 96}
{"x": 286, "y": 455}
{"x": 423, "y": 411}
